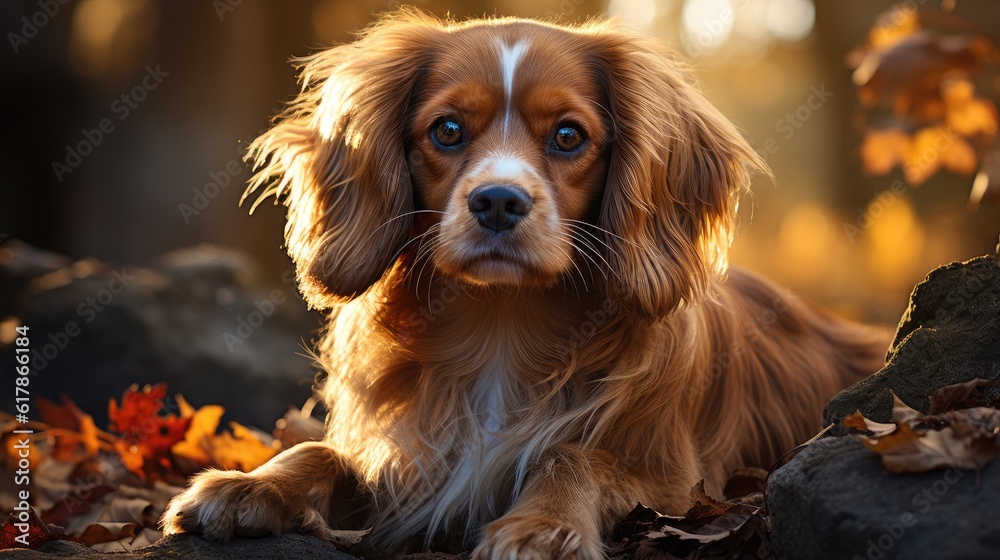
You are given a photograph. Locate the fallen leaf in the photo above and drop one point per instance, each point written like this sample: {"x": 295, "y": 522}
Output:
{"x": 858, "y": 422}
{"x": 107, "y": 532}
{"x": 66, "y": 415}
{"x": 960, "y": 395}
{"x": 64, "y": 510}
{"x": 38, "y": 532}
{"x": 744, "y": 484}
{"x": 710, "y": 529}
{"x": 243, "y": 449}
{"x": 137, "y": 406}
{"x": 146, "y": 434}
{"x": 963, "y": 439}
{"x": 901, "y": 412}
{"x": 203, "y": 424}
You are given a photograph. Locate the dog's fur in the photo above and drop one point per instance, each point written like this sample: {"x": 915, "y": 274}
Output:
{"x": 519, "y": 390}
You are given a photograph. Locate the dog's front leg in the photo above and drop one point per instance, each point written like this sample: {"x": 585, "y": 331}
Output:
{"x": 569, "y": 499}
{"x": 291, "y": 492}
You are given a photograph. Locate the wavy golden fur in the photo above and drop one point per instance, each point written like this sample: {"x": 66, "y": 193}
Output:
{"x": 515, "y": 377}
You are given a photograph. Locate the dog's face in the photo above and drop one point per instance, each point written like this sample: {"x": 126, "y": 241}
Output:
{"x": 505, "y": 152}
{"x": 508, "y": 149}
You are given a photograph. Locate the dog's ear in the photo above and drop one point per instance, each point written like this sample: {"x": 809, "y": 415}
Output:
{"x": 336, "y": 157}
{"x": 677, "y": 170}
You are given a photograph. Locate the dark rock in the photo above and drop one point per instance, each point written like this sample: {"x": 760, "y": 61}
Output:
{"x": 199, "y": 319}
{"x": 836, "y": 500}
{"x": 949, "y": 334}
{"x": 187, "y": 546}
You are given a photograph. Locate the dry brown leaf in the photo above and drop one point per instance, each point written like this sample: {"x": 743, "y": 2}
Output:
{"x": 343, "y": 539}
{"x": 901, "y": 412}
{"x": 908, "y": 451}
{"x": 107, "y": 532}
{"x": 709, "y": 530}
{"x": 960, "y": 395}
{"x": 917, "y": 64}
{"x": 296, "y": 427}
{"x": 964, "y": 439}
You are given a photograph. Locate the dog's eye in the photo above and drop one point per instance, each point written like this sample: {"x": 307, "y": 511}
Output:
{"x": 447, "y": 133}
{"x": 567, "y": 139}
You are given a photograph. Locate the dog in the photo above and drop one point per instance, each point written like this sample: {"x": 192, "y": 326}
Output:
{"x": 520, "y": 232}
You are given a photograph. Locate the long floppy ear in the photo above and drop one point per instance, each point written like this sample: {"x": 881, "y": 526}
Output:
{"x": 678, "y": 168}
{"x": 336, "y": 157}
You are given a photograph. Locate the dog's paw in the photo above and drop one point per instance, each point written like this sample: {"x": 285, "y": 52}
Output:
{"x": 530, "y": 537}
{"x": 220, "y": 505}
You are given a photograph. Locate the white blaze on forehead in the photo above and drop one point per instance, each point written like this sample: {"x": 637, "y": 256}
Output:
{"x": 504, "y": 166}
{"x": 509, "y": 57}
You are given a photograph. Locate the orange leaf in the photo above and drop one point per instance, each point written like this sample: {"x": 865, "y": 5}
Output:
{"x": 89, "y": 436}
{"x": 966, "y": 114}
{"x": 893, "y": 26}
{"x": 857, "y": 421}
{"x": 926, "y": 153}
{"x": 960, "y": 158}
{"x": 882, "y": 150}
{"x": 242, "y": 449}
{"x": 131, "y": 457}
{"x": 204, "y": 423}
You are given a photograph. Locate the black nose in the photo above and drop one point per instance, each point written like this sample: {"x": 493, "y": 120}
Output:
{"x": 499, "y": 207}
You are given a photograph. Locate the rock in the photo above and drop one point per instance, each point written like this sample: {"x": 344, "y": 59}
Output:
{"x": 188, "y": 546}
{"x": 835, "y": 499}
{"x": 950, "y": 333}
{"x": 199, "y": 319}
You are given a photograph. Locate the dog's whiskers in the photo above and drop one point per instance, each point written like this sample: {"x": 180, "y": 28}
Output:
{"x": 403, "y": 215}
{"x": 577, "y": 241}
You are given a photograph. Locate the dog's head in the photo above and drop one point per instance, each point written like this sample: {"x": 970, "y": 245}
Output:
{"x": 508, "y": 152}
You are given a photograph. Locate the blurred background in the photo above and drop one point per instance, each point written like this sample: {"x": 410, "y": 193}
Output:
{"x": 128, "y": 118}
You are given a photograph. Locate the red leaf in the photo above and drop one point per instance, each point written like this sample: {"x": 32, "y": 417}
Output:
{"x": 136, "y": 406}
{"x": 66, "y": 415}
{"x": 146, "y": 434}
{"x": 72, "y": 505}
{"x": 38, "y": 533}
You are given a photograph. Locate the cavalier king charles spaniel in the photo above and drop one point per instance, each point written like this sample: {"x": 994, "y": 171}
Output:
{"x": 519, "y": 231}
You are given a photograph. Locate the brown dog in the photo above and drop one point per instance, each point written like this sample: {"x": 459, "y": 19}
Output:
{"x": 520, "y": 231}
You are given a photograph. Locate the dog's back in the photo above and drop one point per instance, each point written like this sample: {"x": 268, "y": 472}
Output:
{"x": 777, "y": 359}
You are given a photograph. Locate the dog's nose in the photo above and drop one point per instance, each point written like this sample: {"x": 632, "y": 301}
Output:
{"x": 499, "y": 207}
